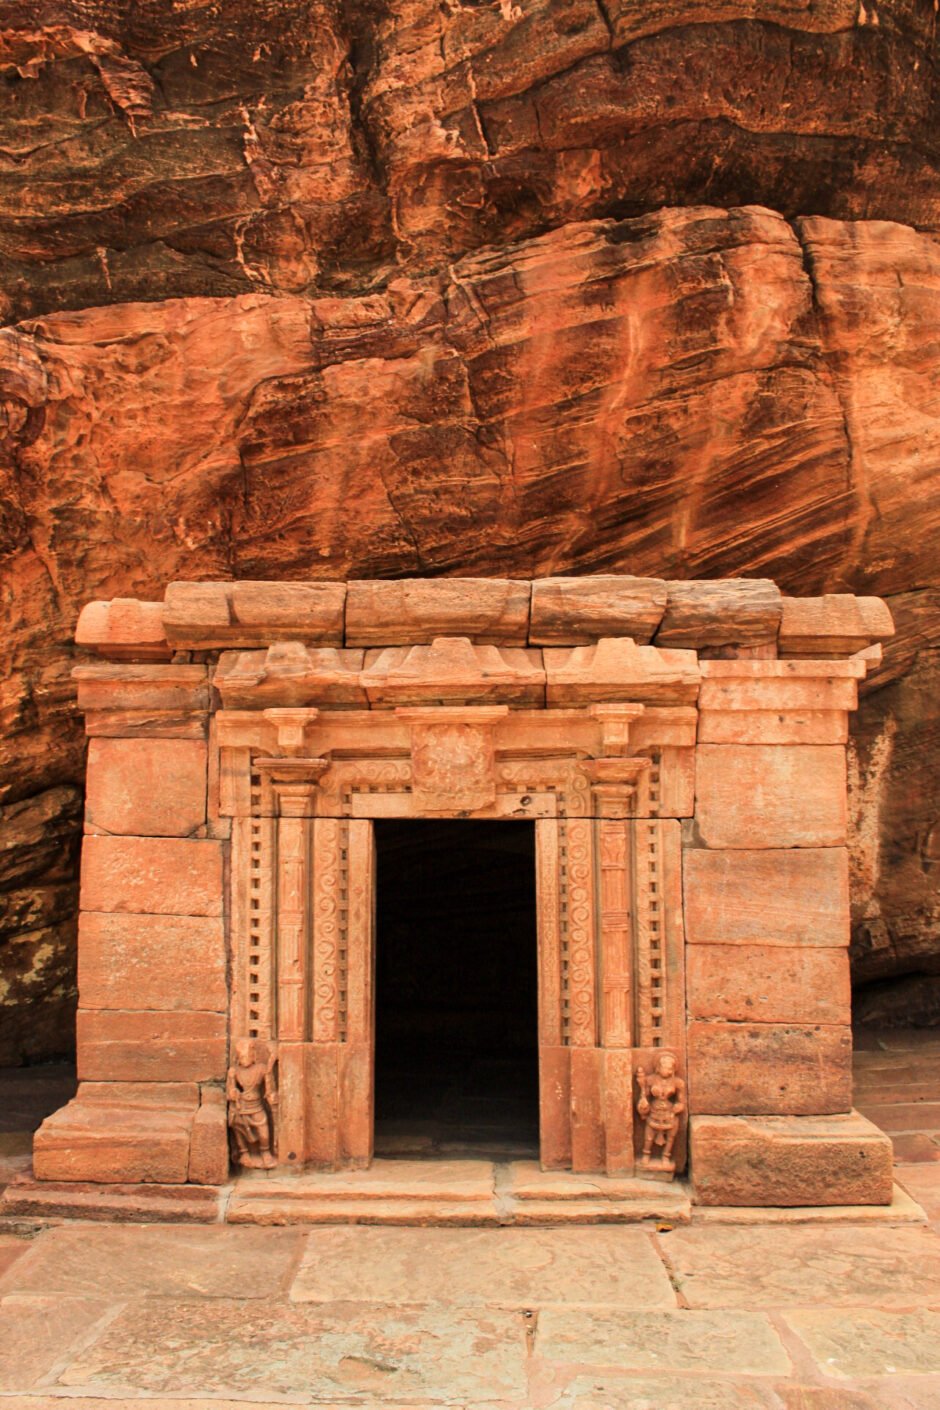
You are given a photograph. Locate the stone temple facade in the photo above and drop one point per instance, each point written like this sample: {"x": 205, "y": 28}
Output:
{"x": 676, "y": 751}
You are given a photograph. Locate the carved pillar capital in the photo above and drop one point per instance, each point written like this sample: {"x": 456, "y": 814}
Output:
{"x": 294, "y": 782}
{"x": 614, "y": 783}
{"x": 616, "y": 722}
{"x": 291, "y": 726}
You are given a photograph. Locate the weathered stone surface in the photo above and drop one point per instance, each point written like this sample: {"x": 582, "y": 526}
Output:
{"x": 157, "y": 689}
{"x": 894, "y": 781}
{"x": 38, "y": 1333}
{"x": 136, "y": 1203}
{"x": 760, "y": 795}
{"x": 617, "y": 669}
{"x": 559, "y": 134}
{"x": 152, "y": 875}
{"x": 774, "y": 896}
{"x": 779, "y": 685}
{"x": 146, "y": 787}
{"x": 11, "y": 1249}
{"x": 253, "y": 613}
{"x": 173, "y": 1046}
{"x": 639, "y": 1392}
{"x": 737, "y": 612}
{"x": 769, "y": 1068}
{"x": 291, "y": 673}
{"x": 416, "y": 610}
{"x": 147, "y": 1262}
{"x": 661, "y": 1340}
{"x": 513, "y": 1268}
{"x": 124, "y": 629}
{"x": 835, "y": 625}
{"x": 38, "y": 900}
{"x": 867, "y": 1343}
{"x": 161, "y": 962}
{"x": 835, "y": 1267}
{"x": 109, "y": 1142}
{"x": 790, "y": 1160}
{"x": 208, "y": 1146}
{"x": 453, "y": 671}
{"x": 346, "y": 1350}
{"x": 573, "y": 611}
{"x": 768, "y": 984}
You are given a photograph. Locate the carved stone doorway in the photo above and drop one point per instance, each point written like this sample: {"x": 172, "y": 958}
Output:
{"x": 456, "y": 1052}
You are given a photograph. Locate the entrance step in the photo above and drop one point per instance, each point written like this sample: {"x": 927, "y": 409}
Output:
{"x": 451, "y": 1192}
{"x": 26, "y": 1198}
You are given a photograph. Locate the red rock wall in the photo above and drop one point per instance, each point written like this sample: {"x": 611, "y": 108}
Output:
{"x": 395, "y": 287}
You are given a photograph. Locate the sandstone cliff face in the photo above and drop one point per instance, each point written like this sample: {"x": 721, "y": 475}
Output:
{"x": 525, "y": 288}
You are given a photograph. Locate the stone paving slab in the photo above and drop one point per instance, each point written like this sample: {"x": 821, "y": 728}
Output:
{"x": 321, "y": 1352}
{"x": 120, "y": 1261}
{"x": 870, "y": 1343}
{"x": 923, "y": 1184}
{"x": 10, "y": 1250}
{"x": 39, "y": 1333}
{"x": 671, "y": 1341}
{"x": 692, "y": 1392}
{"x": 898, "y": 1392}
{"x": 771, "y": 1267}
{"x": 520, "y": 1268}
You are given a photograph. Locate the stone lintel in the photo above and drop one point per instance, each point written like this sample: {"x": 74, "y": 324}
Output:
{"x": 578, "y": 610}
{"x": 721, "y": 612}
{"x": 743, "y": 617}
{"x": 838, "y": 624}
{"x": 201, "y": 615}
{"x": 124, "y": 629}
{"x": 413, "y": 611}
{"x": 141, "y": 687}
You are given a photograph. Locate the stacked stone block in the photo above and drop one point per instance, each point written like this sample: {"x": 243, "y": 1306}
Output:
{"x": 153, "y": 994}
{"x": 767, "y": 929}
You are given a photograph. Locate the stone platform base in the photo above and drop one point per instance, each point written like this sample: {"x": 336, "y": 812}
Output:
{"x": 457, "y": 1192}
{"x": 430, "y": 1193}
{"x": 135, "y": 1133}
{"x": 790, "y": 1161}
{"x": 31, "y": 1200}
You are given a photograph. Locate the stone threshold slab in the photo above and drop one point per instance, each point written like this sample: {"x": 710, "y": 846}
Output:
{"x": 452, "y": 1192}
{"x": 419, "y": 1193}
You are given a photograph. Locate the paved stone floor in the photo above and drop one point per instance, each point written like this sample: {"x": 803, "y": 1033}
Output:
{"x": 704, "y": 1316}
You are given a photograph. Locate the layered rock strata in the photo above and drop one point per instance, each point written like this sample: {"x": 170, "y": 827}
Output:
{"x": 530, "y": 289}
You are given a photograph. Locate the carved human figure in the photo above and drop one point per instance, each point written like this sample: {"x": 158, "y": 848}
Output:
{"x": 660, "y": 1107}
{"x": 251, "y": 1093}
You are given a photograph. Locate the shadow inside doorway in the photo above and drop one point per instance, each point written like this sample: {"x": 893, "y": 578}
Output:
{"x": 456, "y": 1067}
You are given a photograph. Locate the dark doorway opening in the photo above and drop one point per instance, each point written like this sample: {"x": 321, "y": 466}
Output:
{"x": 456, "y": 1064}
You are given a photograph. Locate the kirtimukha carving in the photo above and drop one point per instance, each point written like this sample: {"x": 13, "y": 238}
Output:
{"x": 251, "y": 1093}
{"x": 661, "y": 1106}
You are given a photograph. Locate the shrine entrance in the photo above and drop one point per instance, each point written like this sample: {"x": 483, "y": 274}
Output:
{"x": 322, "y": 816}
{"x": 456, "y": 1001}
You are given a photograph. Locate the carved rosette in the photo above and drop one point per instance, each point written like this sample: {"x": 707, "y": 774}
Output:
{"x": 453, "y": 758}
